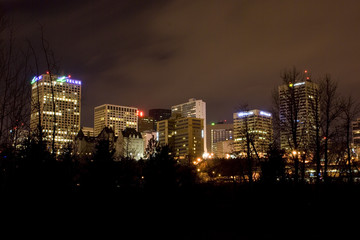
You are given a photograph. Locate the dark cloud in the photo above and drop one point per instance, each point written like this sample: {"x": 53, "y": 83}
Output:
{"x": 154, "y": 54}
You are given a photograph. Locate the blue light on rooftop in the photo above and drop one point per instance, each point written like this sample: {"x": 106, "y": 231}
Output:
{"x": 59, "y": 79}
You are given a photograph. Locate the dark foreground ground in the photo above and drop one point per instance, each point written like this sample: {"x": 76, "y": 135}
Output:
{"x": 200, "y": 212}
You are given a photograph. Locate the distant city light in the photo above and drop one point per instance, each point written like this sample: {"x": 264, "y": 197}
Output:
{"x": 77, "y": 82}
{"x": 298, "y": 84}
{"x": 68, "y": 80}
{"x": 59, "y": 79}
{"x": 35, "y": 79}
{"x": 212, "y": 124}
{"x": 140, "y": 113}
{"x": 244, "y": 114}
{"x": 265, "y": 114}
{"x": 205, "y": 155}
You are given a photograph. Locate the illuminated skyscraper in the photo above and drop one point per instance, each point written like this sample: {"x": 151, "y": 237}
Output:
{"x": 183, "y": 135}
{"x": 116, "y": 117}
{"x": 218, "y": 132}
{"x": 356, "y": 136}
{"x": 166, "y": 133}
{"x": 189, "y": 138}
{"x": 58, "y": 101}
{"x": 146, "y": 123}
{"x": 299, "y": 102}
{"x": 194, "y": 109}
{"x": 258, "y": 125}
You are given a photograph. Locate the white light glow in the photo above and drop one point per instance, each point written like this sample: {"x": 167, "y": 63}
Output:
{"x": 298, "y": 84}
{"x": 244, "y": 114}
{"x": 265, "y": 114}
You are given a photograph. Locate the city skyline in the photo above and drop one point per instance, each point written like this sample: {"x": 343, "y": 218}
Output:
{"x": 256, "y": 106}
{"x": 170, "y": 51}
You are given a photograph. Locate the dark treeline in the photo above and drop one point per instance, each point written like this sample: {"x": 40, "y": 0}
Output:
{"x": 33, "y": 168}
{"x": 161, "y": 193}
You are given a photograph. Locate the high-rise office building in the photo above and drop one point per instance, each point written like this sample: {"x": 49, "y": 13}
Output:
{"x": 116, "y": 117}
{"x": 218, "y": 132}
{"x": 57, "y": 99}
{"x": 254, "y": 126}
{"x": 299, "y": 108}
{"x": 146, "y": 123}
{"x": 194, "y": 109}
{"x": 189, "y": 138}
{"x": 166, "y": 133}
{"x": 356, "y": 136}
{"x": 184, "y": 136}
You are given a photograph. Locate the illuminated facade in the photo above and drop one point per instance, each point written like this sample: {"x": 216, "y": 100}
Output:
{"x": 194, "y": 109}
{"x": 88, "y": 131}
{"x": 258, "y": 125}
{"x": 184, "y": 136}
{"x": 116, "y": 117}
{"x": 356, "y": 136}
{"x": 218, "y": 132}
{"x": 146, "y": 123}
{"x": 299, "y": 99}
{"x": 63, "y": 94}
{"x": 166, "y": 133}
{"x": 224, "y": 149}
{"x": 189, "y": 138}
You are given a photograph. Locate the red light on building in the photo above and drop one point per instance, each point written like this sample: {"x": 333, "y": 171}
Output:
{"x": 140, "y": 113}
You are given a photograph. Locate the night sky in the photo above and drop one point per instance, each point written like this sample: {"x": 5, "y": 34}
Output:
{"x": 155, "y": 54}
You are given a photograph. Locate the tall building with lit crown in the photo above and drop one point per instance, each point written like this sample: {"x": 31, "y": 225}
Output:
{"x": 116, "y": 117}
{"x": 57, "y": 99}
{"x": 299, "y": 101}
{"x": 194, "y": 109}
{"x": 258, "y": 125}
